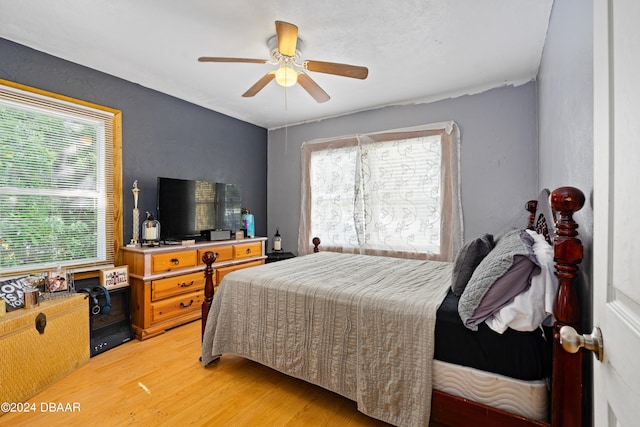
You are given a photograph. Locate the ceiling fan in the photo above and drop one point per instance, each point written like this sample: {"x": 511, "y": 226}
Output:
{"x": 286, "y": 52}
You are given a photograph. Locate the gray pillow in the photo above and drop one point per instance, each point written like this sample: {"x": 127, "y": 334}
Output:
{"x": 493, "y": 266}
{"x": 467, "y": 259}
{"x": 505, "y": 289}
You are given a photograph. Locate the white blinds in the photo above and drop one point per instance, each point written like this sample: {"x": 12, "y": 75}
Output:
{"x": 393, "y": 193}
{"x": 402, "y": 194}
{"x": 56, "y": 183}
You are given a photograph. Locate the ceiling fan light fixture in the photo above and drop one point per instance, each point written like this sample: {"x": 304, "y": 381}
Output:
{"x": 286, "y": 52}
{"x": 286, "y": 76}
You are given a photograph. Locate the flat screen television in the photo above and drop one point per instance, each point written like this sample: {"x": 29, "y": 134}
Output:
{"x": 187, "y": 208}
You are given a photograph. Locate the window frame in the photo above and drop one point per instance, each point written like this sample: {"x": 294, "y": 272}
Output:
{"x": 113, "y": 197}
{"x": 451, "y": 226}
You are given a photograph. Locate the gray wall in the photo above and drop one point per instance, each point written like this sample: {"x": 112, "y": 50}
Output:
{"x": 565, "y": 97}
{"x": 162, "y": 135}
{"x": 499, "y": 153}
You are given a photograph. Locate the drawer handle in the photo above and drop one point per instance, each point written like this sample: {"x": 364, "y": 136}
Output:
{"x": 175, "y": 261}
{"x": 185, "y": 285}
{"x": 248, "y": 250}
{"x": 183, "y": 305}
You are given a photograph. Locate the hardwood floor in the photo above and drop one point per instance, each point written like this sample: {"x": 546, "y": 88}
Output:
{"x": 160, "y": 381}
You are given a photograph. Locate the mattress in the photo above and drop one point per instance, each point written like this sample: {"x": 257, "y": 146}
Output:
{"x": 507, "y": 371}
{"x": 519, "y": 355}
{"x": 527, "y": 398}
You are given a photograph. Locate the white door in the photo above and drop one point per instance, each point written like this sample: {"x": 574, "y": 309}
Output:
{"x": 616, "y": 246}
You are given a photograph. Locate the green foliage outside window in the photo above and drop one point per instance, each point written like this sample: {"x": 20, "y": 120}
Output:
{"x": 49, "y": 188}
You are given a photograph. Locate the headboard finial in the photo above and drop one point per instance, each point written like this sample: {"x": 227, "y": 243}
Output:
{"x": 567, "y": 200}
{"x": 568, "y": 251}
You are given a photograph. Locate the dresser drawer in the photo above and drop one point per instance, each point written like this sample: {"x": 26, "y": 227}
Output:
{"x": 176, "y": 306}
{"x": 221, "y": 272}
{"x": 172, "y": 286}
{"x": 173, "y": 261}
{"x": 225, "y": 253}
{"x": 247, "y": 250}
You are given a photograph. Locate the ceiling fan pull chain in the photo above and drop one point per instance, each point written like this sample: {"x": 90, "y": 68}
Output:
{"x": 286, "y": 120}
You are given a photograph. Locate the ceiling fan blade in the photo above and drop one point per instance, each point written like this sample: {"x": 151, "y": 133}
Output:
{"x": 222, "y": 59}
{"x": 257, "y": 87}
{"x": 287, "y": 38}
{"x": 344, "y": 70}
{"x": 312, "y": 87}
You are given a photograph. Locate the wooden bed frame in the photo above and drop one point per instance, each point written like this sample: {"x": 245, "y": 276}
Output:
{"x": 566, "y": 388}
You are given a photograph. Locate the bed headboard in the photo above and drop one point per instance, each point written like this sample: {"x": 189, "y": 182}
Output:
{"x": 541, "y": 215}
{"x": 554, "y": 218}
{"x": 568, "y": 252}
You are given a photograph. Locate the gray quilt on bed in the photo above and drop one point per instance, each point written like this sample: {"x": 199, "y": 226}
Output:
{"x": 361, "y": 326}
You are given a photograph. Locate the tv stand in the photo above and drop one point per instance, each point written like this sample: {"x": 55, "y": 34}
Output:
{"x": 167, "y": 281}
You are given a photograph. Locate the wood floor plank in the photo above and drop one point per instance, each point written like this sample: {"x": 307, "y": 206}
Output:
{"x": 160, "y": 381}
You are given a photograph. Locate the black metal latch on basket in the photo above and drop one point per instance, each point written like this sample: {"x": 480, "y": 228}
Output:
{"x": 41, "y": 322}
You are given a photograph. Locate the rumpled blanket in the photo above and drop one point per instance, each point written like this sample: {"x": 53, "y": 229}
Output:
{"x": 361, "y": 326}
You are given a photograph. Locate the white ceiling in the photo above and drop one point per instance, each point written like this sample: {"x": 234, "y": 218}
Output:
{"x": 415, "y": 50}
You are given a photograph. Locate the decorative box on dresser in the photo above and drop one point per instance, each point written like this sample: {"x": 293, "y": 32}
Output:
{"x": 167, "y": 281}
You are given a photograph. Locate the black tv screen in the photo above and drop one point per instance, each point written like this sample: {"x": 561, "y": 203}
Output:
{"x": 186, "y": 208}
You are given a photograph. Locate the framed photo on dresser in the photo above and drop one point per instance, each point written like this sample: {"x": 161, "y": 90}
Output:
{"x": 57, "y": 281}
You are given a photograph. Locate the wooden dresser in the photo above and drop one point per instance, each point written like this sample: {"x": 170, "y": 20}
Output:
{"x": 167, "y": 282}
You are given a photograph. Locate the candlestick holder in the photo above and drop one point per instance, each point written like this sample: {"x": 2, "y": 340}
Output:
{"x": 136, "y": 216}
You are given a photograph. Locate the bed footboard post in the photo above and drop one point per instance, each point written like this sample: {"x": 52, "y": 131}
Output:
{"x": 566, "y": 399}
{"x": 208, "y": 258}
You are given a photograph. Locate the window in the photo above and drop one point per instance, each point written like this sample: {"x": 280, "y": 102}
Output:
{"x": 393, "y": 193}
{"x": 59, "y": 177}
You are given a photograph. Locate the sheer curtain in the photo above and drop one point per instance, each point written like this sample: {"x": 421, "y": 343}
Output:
{"x": 393, "y": 193}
